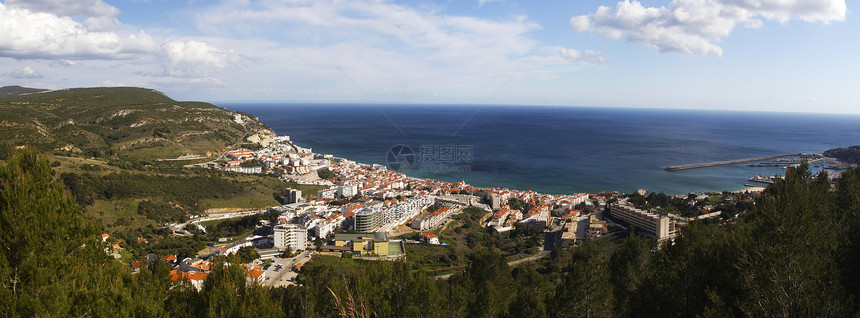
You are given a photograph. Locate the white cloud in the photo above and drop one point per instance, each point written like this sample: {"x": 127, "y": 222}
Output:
{"x": 26, "y": 72}
{"x": 109, "y": 83}
{"x": 383, "y": 46}
{"x": 25, "y": 34}
{"x": 99, "y": 16}
{"x": 63, "y": 63}
{"x": 692, "y": 26}
{"x": 378, "y": 22}
{"x": 189, "y": 57}
{"x": 590, "y": 56}
{"x": 41, "y": 34}
{"x": 74, "y": 8}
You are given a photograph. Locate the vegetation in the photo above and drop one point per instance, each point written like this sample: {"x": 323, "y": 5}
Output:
{"x": 239, "y": 226}
{"x": 325, "y": 173}
{"x": 18, "y": 90}
{"x": 664, "y": 202}
{"x": 247, "y": 254}
{"x": 469, "y": 233}
{"x": 186, "y": 191}
{"x": 122, "y": 123}
{"x": 162, "y": 212}
{"x": 124, "y": 198}
{"x": 848, "y": 155}
{"x": 793, "y": 254}
{"x": 249, "y": 164}
{"x": 517, "y": 204}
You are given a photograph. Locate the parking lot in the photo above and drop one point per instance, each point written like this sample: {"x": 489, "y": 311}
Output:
{"x": 280, "y": 271}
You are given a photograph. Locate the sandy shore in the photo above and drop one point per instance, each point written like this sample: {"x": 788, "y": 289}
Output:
{"x": 750, "y": 189}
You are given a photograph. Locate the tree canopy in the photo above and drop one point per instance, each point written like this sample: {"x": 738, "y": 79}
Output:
{"x": 794, "y": 254}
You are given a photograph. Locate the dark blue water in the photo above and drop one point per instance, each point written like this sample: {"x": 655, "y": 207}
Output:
{"x": 563, "y": 149}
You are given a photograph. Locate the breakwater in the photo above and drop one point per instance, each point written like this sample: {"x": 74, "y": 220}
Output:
{"x": 728, "y": 162}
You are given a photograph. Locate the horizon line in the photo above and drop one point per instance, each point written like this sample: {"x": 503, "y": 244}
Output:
{"x": 530, "y": 105}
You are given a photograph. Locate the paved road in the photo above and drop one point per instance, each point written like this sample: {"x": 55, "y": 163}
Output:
{"x": 230, "y": 215}
{"x": 535, "y": 257}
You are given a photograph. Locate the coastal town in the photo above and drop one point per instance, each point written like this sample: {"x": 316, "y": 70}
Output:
{"x": 365, "y": 210}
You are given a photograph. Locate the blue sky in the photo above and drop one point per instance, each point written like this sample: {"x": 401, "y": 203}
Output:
{"x": 764, "y": 55}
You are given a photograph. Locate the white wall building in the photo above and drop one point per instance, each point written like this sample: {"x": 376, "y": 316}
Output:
{"x": 293, "y": 236}
{"x": 292, "y": 195}
{"x": 347, "y": 191}
{"x": 244, "y": 169}
{"x": 326, "y": 193}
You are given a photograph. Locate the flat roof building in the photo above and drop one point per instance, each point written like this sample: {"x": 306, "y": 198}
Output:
{"x": 293, "y": 236}
{"x": 651, "y": 224}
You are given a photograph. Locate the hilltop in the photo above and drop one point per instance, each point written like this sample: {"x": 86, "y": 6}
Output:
{"x": 850, "y": 155}
{"x": 104, "y": 144}
{"x": 124, "y": 123}
{"x": 18, "y": 90}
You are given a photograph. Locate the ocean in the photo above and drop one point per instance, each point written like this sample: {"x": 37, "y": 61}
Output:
{"x": 558, "y": 149}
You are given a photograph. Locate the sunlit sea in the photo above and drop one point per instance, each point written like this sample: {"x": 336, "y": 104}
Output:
{"x": 557, "y": 149}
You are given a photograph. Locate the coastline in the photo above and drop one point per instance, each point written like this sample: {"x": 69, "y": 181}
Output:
{"x": 751, "y": 189}
{"x": 550, "y": 164}
{"x": 412, "y": 178}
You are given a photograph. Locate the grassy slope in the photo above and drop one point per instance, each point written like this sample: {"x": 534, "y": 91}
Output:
{"x": 122, "y": 123}
{"x": 256, "y": 191}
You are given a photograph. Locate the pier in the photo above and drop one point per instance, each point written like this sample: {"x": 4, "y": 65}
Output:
{"x": 728, "y": 162}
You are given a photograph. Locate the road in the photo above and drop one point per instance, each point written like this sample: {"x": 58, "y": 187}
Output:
{"x": 179, "y": 227}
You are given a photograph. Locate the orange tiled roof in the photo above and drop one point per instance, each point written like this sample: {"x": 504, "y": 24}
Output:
{"x": 255, "y": 272}
{"x": 204, "y": 265}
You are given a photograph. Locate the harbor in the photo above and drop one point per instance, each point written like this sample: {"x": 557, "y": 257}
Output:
{"x": 762, "y": 179}
{"x": 729, "y": 162}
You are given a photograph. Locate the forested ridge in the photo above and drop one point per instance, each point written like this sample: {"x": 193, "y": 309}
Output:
{"x": 794, "y": 254}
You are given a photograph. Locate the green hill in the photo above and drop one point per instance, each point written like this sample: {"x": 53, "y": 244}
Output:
{"x": 18, "y": 90}
{"x": 121, "y": 123}
{"x": 849, "y": 155}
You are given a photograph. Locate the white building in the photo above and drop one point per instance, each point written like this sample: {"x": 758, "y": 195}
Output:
{"x": 234, "y": 247}
{"x": 347, "y": 191}
{"x": 326, "y": 193}
{"x": 432, "y": 219}
{"x": 401, "y": 211}
{"x": 650, "y": 224}
{"x": 244, "y": 169}
{"x": 292, "y": 195}
{"x": 325, "y": 227}
{"x": 429, "y": 238}
{"x": 293, "y": 236}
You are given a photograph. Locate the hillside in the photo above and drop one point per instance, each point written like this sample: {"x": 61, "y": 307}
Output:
{"x": 18, "y": 90}
{"x": 121, "y": 123}
{"x": 850, "y": 155}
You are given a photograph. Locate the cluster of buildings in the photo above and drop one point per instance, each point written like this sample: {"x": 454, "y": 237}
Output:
{"x": 431, "y": 219}
{"x": 384, "y": 216}
{"x": 280, "y": 157}
{"x": 196, "y": 270}
{"x": 577, "y": 229}
{"x": 539, "y": 211}
{"x": 376, "y": 245}
{"x": 378, "y": 200}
